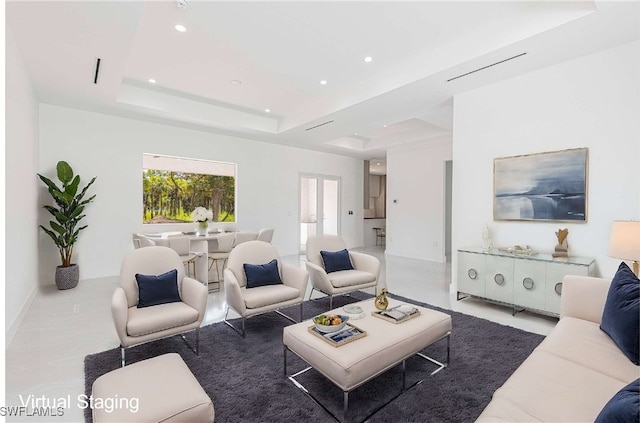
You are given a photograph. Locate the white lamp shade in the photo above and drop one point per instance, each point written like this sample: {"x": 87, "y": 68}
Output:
{"x": 625, "y": 240}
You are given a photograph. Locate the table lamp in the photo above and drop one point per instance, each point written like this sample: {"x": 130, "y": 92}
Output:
{"x": 625, "y": 241}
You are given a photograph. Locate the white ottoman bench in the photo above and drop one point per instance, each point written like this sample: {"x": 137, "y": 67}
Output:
{"x": 160, "y": 389}
{"x": 385, "y": 346}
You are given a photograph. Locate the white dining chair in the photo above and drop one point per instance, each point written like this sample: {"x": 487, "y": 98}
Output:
{"x": 244, "y": 237}
{"x": 181, "y": 245}
{"x": 219, "y": 250}
{"x": 265, "y": 235}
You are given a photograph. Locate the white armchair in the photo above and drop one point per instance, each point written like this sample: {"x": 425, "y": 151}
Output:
{"x": 137, "y": 326}
{"x": 365, "y": 272}
{"x": 248, "y": 302}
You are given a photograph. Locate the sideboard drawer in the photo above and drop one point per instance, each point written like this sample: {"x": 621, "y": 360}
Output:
{"x": 529, "y": 284}
{"x": 499, "y": 279}
{"x": 555, "y": 273}
{"x": 471, "y": 273}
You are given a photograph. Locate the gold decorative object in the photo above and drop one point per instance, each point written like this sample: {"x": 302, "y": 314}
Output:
{"x": 562, "y": 246}
{"x": 381, "y": 302}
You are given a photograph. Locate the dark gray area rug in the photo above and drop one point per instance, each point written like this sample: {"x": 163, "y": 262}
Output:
{"x": 244, "y": 377}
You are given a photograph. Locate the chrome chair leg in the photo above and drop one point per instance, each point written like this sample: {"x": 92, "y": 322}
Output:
{"x": 122, "y": 361}
{"x": 196, "y": 347}
{"x": 241, "y": 333}
{"x": 311, "y": 293}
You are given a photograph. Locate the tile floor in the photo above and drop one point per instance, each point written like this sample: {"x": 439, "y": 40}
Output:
{"x": 46, "y": 355}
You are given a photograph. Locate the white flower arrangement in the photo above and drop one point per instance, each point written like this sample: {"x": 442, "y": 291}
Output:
{"x": 200, "y": 214}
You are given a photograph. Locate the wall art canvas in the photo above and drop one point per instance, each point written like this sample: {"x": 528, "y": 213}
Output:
{"x": 548, "y": 186}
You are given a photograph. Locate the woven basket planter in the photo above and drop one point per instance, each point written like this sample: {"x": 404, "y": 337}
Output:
{"x": 67, "y": 277}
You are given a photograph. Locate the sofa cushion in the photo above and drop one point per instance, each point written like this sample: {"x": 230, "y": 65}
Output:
{"x": 582, "y": 342}
{"x": 345, "y": 278}
{"x": 621, "y": 316}
{"x": 623, "y": 407}
{"x": 267, "y": 295}
{"x": 335, "y": 261}
{"x": 157, "y": 289}
{"x": 553, "y": 389}
{"x": 262, "y": 274}
{"x": 142, "y": 321}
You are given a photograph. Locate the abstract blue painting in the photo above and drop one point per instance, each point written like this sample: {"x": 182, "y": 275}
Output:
{"x": 548, "y": 186}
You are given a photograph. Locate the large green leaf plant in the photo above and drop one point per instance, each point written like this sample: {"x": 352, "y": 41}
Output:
{"x": 68, "y": 210}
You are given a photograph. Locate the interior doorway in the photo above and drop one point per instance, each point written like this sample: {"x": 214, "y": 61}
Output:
{"x": 319, "y": 206}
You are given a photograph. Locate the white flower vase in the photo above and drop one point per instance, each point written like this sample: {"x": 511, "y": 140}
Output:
{"x": 202, "y": 227}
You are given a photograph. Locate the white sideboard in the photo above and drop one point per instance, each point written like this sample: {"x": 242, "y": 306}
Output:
{"x": 523, "y": 282}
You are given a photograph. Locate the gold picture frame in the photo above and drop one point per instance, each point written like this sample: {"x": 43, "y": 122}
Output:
{"x": 548, "y": 187}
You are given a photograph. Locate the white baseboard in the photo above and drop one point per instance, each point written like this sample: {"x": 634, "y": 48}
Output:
{"x": 13, "y": 327}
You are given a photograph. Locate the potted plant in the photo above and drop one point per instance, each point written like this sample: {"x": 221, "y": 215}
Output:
{"x": 67, "y": 214}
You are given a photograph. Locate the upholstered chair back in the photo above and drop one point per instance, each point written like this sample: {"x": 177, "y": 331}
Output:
{"x": 148, "y": 261}
{"x": 242, "y": 237}
{"x": 222, "y": 244}
{"x": 144, "y": 241}
{"x": 265, "y": 235}
{"x": 318, "y": 243}
{"x": 136, "y": 241}
{"x": 180, "y": 244}
{"x": 251, "y": 252}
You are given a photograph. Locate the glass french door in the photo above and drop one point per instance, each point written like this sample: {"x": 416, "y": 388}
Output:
{"x": 319, "y": 207}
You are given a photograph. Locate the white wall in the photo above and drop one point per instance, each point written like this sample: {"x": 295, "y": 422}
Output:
{"x": 589, "y": 102}
{"x": 111, "y": 148}
{"x": 21, "y": 184}
{"x": 415, "y": 199}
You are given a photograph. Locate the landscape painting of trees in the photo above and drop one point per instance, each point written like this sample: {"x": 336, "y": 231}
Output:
{"x": 171, "y": 196}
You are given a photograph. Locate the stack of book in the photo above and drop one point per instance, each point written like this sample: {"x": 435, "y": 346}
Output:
{"x": 398, "y": 314}
{"x": 343, "y": 336}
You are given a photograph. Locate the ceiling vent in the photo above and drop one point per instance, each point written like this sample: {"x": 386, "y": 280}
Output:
{"x": 485, "y": 67}
{"x": 317, "y": 126}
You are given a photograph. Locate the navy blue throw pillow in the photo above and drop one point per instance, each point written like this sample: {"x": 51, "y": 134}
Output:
{"x": 157, "y": 289}
{"x": 336, "y": 261}
{"x": 623, "y": 407}
{"x": 621, "y": 316}
{"x": 262, "y": 274}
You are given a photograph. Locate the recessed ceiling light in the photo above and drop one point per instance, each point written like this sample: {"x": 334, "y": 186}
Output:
{"x": 267, "y": 110}
{"x": 368, "y": 59}
{"x": 180, "y": 28}
{"x": 378, "y": 164}
{"x": 384, "y": 126}
{"x": 355, "y": 133}
{"x": 151, "y": 81}
{"x": 323, "y": 82}
{"x": 236, "y": 82}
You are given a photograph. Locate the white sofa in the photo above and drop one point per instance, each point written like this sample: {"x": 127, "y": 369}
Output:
{"x": 574, "y": 372}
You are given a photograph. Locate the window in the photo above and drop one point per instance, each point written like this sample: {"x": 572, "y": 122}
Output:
{"x": 173, "y": 186}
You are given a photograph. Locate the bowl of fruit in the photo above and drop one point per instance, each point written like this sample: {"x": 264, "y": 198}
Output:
{"x": 330, "y": 322}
